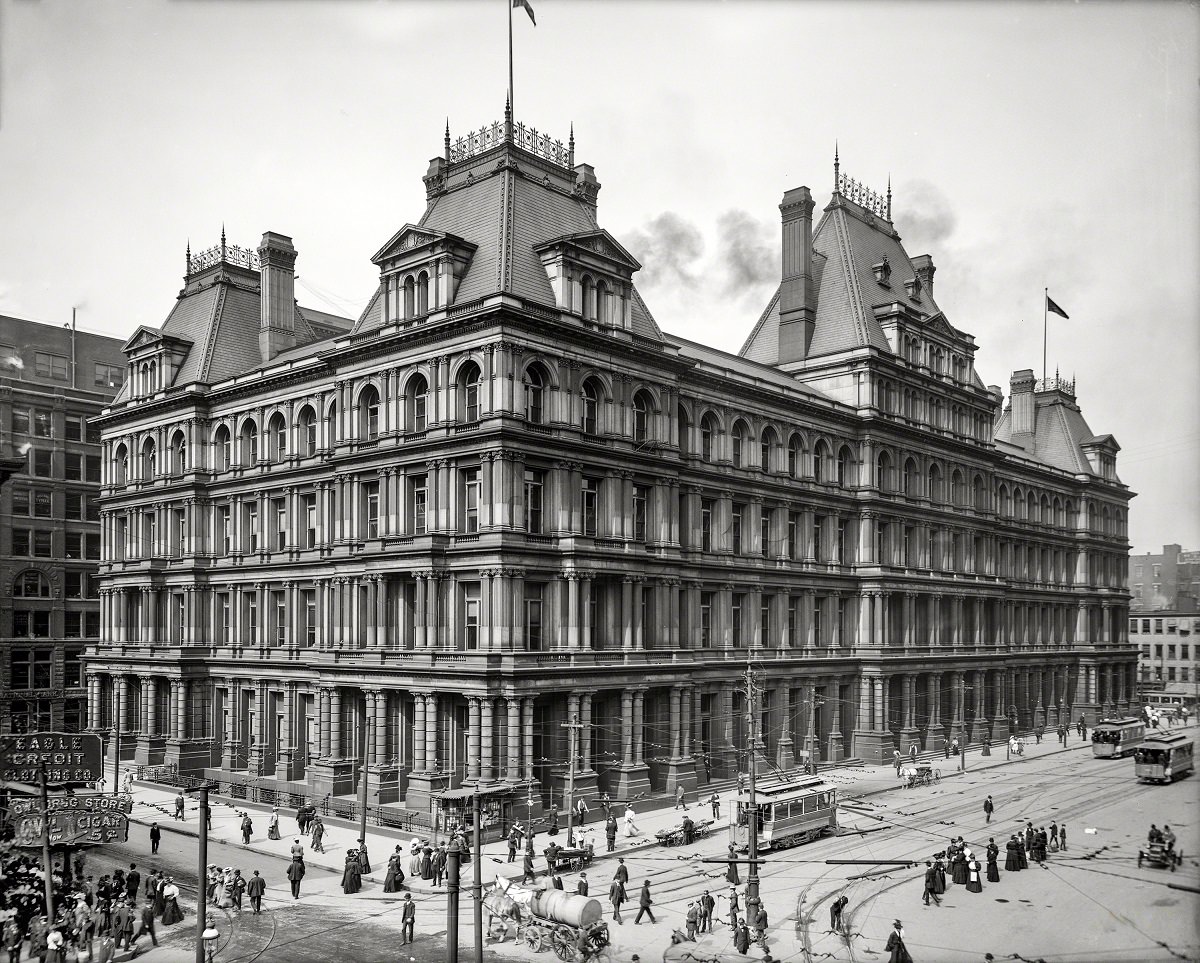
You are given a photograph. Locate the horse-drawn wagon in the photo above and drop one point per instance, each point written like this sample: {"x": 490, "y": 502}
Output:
{"x": 547, "y": 919}
{"x": 678, "y": 836}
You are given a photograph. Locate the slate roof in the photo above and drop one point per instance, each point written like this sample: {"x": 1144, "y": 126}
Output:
{"x": 1060, "y": 431}
{"x": 847, "y": 244}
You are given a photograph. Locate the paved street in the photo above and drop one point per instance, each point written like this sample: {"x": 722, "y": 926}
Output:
{"x": 1116, "y": 911}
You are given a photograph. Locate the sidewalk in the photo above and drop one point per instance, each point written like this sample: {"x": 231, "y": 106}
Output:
{"x": 153, "y": 803}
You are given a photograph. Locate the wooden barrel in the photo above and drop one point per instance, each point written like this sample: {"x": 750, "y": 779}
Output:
{"x": 569, "y": 908}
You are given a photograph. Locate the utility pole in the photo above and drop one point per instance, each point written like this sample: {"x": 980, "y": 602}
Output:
{"x": 752, "y": 900}
{"x": 572, "y": 728}
{"x": 477, "y": 874}
{"x": 202, "y": 874}
{"x": 49, "y": 883}
{"x": 453, "y": 855}
{"x": 811, "y": 767}
{"x": 117, "y": 740}
{"x": 363, "y": 859}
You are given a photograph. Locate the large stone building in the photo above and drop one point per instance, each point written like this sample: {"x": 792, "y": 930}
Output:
{"x": 505, "y": 499}
{"x": 53, "y": 380}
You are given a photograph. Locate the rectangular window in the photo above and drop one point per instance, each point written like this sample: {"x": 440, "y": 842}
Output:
{"x": 533, "y": 502}
{"x": 706, "y": 519}
{"x": 42, "y": 504}
{"x": 818, "y": 610}
{"x": 73, "y": 625}
{"x": 31, "y": 625}
{"x": 764, "y": 534}
{"x": 43, "y": 423}
{"x": 310, "y": 521}
{"x": 471, "y": 616}
{"x": 843, "y": 543}
{"x": 793, "y": 530}
{"x": 764, "y": 622}
{"x": 252, "y": 528}
{"x": 91, "y": 433}
{"x": 818, "y": 537}
{"x": 92, "y": 552}
{"x": 22, "y": 539}
{"x": 43, "y": 462}
{"x": 736, "y": 618}
{"x": 793, "y": 619}
{"x": 223, "y": 615}
{"x": 50, "y": 366}
{"x": 639, "y": 513}
{"x": 310, "y": 617}
{"x": 73, "y": 584}
{"x": 470, "y": 501}
{"x": 20, "y": 422}
{"x": 149, "y": 546}
{"x": 910, "y": 546}
{"x": 370, "y": 510}
{"x": 279, "y": 605}
{"x": 736, "y": 528}
{"x": 73, "y": 466}
{"x": 418, "y": 505}
{"x": 91, "y": 468}
{"x": 706, "y": 613}
{"x": 251, "y": 613}
{"x": 73, "y": 428}
{"x": 533, "y": 617}
{"x": 22, "y": 501}
{"x": 43, "y": 544}
{"x": 279, "y": 514}
{"x": 108, "y": 376}
{"x": 73, "y": 506}
{"x": 179, "y": 535}
{"x": 591, "y": 502}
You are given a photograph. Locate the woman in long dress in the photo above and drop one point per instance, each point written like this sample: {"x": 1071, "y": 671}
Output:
{"x": 159, "y": 900}
{"x": 394, "y": 881}
{"x": 1012, "y": 858}
{"x": 974, "y": 884}
{"x": 1022, "y": 852}
{"x": 414, "y": 857}
{"x": 939, "y": 876}
{"x": 351, "y": 878}
{"x": 993, "y": 854}
{"x": 273, "y": 825}
{"x": 630, "y": 826}
{"x": 426, "y": 862}
{"x": 171, "y": 911}
{"x": 225, "y": 889}
{"x": 960, "y": 864}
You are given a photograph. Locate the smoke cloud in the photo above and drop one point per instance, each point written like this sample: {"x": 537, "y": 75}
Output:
{"x": 746, "y": 253}
{"x": 924, "y": 217}
{"x": 668, "y": 247}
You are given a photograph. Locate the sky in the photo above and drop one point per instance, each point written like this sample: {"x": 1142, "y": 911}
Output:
{"x": 1029, "y": 146}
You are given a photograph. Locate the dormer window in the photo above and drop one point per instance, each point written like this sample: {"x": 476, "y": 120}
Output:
{"x": 913, "y": 287}
{"x": 592, "y": 277}
{"x": 419, "y": 272}
{"x": 154, "y": 360}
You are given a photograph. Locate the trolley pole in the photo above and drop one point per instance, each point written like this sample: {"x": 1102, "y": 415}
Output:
{"x": 572, "y": 728}
{"x": 477, "y": 874}
{"x": 752, "y": 900}
{"x": 117, "y": 739}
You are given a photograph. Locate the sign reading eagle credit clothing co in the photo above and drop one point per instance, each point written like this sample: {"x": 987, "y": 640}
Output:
{"x": 69, "y": 757}
{"x": 74, "y": 820}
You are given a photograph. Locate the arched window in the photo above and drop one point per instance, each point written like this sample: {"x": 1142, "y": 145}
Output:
{"x": 589, "y": 298}
{"x": 120, "y": 466}
{"x": 601, "y": 302}
{"x": 468, "y": 381}
{"x": 1005, "y": 499}
{"x": 410, "y": 297}
{"x": 685, "y": 430}
{"x": 911, "y": 478}
{"x": 957, "y": 489}
{"x": 368, "y": 414}
{"x": 1031, "y": 510}
{"x": 590, "y": 421}
{"x": 249, "y": 443}
{"x": 148, "y": 453}
{"x": 277, "y": 438}
{"x": 222, "y": 449}
{"x": 641, "y": 417}
{"x": 416, "y": 400}
{"x": 708, "y": 433}
{"x": 795, "y": 456}
{"x": 31, "y": 585}
{"x": 821, "y": 458}
{"x": 846, "y": 475}
{"x": 981, "y": 494}
{"x": 739, "y": 439}
{"x": 883, "y": 472}
{"x": 306, "y": 432}
{"x": 766, "y": 442}
{"x": 332, "y": 431}
{"x": 422, "y": 293}
{"x": 178, "y": 453}
{"x": 934, "y": 484}
{"x": 535, "y": 390}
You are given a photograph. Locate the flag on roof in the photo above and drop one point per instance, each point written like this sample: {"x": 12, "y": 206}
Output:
{"x": 528, "y": 9}
{"x": 1055, "y": 309}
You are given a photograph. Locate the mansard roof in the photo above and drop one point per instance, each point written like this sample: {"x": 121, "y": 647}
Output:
{"x": 1059, "y": 437}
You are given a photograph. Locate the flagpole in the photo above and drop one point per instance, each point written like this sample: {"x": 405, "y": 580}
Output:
{"x": 1045, "y": 301}
{"x": 510, "y": 55}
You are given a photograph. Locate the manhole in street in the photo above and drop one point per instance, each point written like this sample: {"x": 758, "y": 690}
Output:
{"x": 1001, "y": 901}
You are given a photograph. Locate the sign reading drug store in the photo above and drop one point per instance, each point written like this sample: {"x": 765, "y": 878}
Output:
{"x": 74, "y": 820}
{"x": 69, "y": 757}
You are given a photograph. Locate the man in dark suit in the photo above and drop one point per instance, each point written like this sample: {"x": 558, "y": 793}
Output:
{"x": 931, "y": 885}
{"x": 132, "y": 882}
{"x": 295, "y": 873}
{"x": 644, "y": 903}
{"x": 581, "y": 887}
{"x": 255, "y": 889}
{"x": 622, "y": 872}
{"x": 989, "y": 807}
{"x": 616, "y": 896}
{"x": 155, "y": 837}
{"x": 408, "y": 919}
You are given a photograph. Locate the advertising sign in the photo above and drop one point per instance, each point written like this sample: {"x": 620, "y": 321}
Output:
{"x": 68, "y": 757}
{"x": 74, "y": 820}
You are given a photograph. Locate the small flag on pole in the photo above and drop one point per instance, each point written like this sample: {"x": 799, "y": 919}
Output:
{"x": 528, "y": 9}
{"x": 1055, "y": 309}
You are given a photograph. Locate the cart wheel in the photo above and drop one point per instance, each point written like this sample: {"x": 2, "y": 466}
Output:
{"x": 563, "y": 942}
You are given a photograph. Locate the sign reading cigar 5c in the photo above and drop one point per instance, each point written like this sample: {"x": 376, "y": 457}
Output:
{"x": 67, "y": 756}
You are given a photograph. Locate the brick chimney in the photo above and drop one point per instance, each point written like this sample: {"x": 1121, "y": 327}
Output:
{"x": 1021, "y": 387}
{"x": 923, "y": 266}
{"x": 797, "y": 302}
{"x": 277, "y": 297}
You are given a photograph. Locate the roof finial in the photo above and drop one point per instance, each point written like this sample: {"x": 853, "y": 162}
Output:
{"x": 508, "y": 117}
{"x": 571, "y": 147}
{"x": 836, "y": 166}
{"x": 447, "y": 141}
{"x": 889, "y": 197}
{"x": 222, "y": 240}
{"x": 188, "y": 258}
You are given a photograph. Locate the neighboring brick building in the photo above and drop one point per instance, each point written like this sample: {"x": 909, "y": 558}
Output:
{"x": 52, "y": 381}
{"x": 1166, "y": 582}
{"x": 507, "y": 499}
{"x": 1168, "y": 654}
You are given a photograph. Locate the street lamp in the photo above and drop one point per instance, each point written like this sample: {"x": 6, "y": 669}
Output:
{"x": 209, "y": 936}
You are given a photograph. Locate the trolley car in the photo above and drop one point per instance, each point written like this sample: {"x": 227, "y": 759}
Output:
{"x": 1117, "y": 737}
{"x": 789, "y": 813}
{"x": 1164, "y": 758}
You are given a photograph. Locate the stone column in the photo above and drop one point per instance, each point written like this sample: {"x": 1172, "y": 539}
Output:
{"x": 473, "y": 737}
{"x": 487, "y": 769}
{"x": 785, "y": 758}
{"x": 513, "y": 740}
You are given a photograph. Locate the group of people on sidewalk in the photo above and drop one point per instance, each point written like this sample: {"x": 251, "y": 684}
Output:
{"x": 92, "y": 917}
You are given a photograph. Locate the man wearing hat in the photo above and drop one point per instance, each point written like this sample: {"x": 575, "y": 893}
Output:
{"x": 693, "y": 921}
{"x": 895, "y": 945}
{"x": 295, "y": 873}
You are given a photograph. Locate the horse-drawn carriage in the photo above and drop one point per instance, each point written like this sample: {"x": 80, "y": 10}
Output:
{"x": 678, "y": 835}
{"x": 547, "y": 919}
{"x": 922, "y": 774}
{"x": 1157, "y": 853}
{"x": 572, "y": 860}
